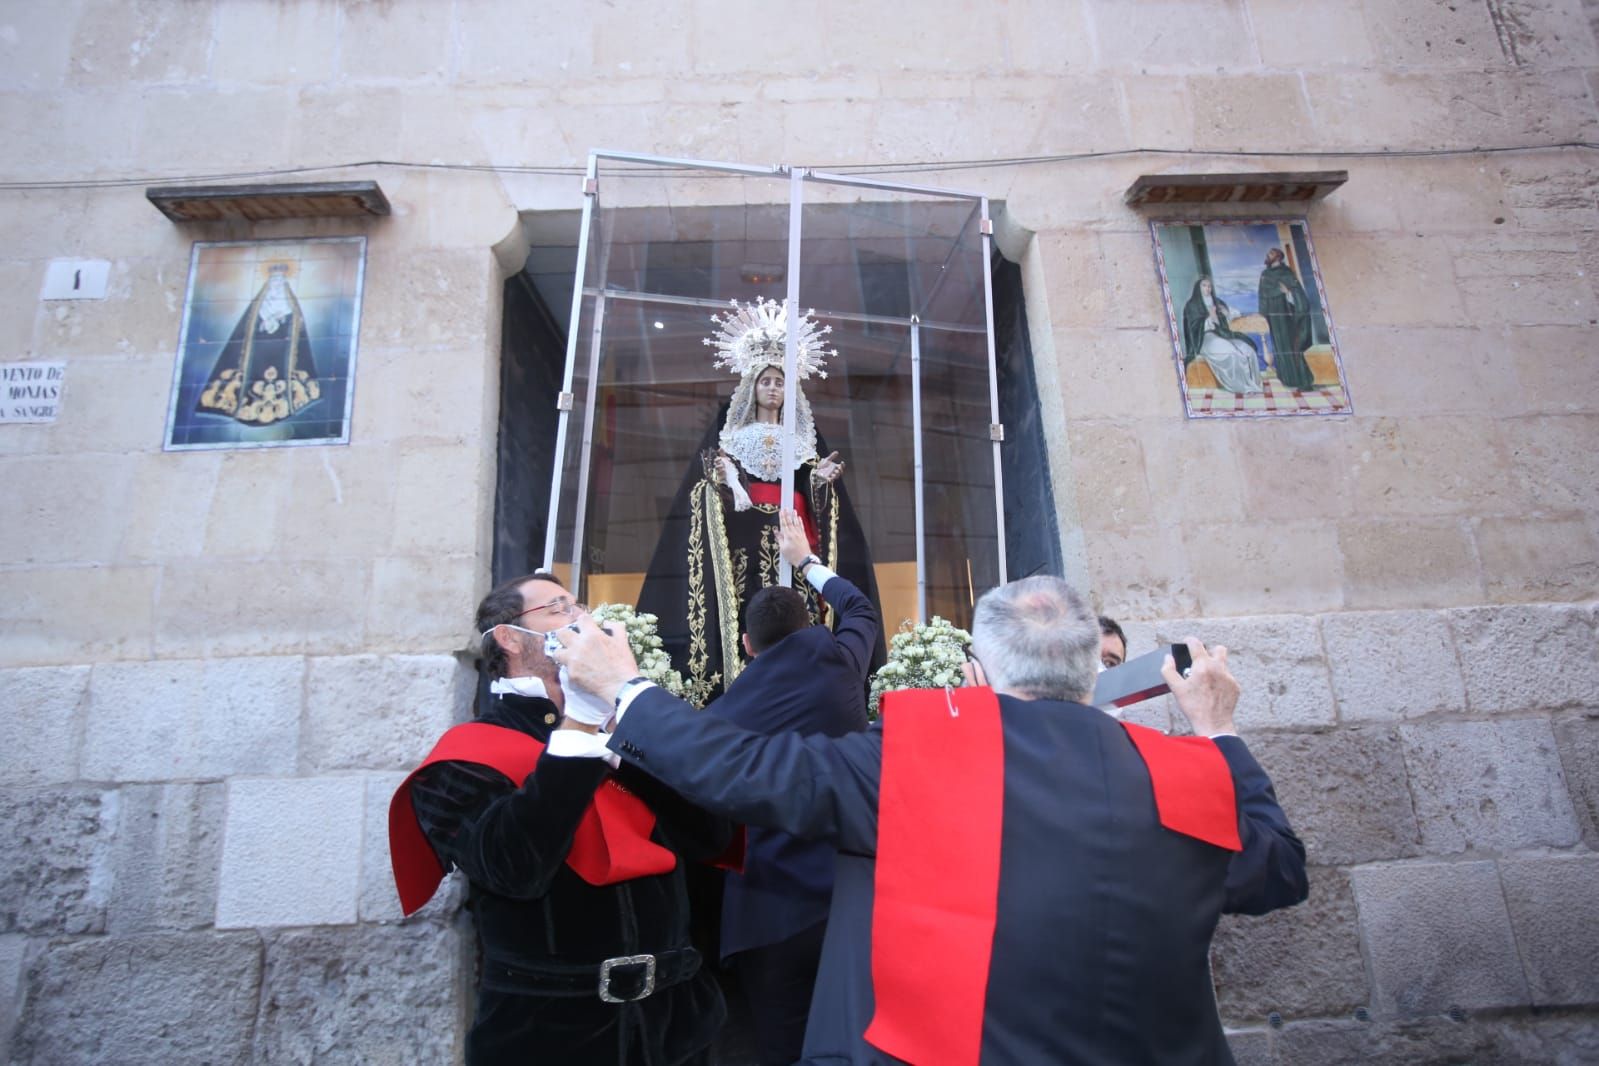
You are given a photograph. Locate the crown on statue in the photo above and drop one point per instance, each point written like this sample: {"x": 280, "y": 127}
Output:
{"x": 753, "y": 335}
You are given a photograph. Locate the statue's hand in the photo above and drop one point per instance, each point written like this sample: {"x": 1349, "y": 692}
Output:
{"x": 829, "y": 468}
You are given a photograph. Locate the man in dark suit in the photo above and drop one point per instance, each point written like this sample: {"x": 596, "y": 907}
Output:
{"x": 809, "y": 680}
{"x": 1021, "y": 878}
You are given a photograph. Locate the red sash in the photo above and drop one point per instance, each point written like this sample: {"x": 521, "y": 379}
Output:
{"x": 939, "y": 823}
{"x": 770, "y": 493}
{"x": 612, "y": 842}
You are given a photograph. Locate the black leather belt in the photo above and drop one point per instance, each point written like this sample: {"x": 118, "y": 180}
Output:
{"x": 622, "y": 979}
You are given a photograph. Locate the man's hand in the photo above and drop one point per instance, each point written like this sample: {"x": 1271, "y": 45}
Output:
{"x": 1208, "y": 694}
{"x": 596, "y": 661}
{"x": 829, "y": 468}
{"x": 791, "y": 540}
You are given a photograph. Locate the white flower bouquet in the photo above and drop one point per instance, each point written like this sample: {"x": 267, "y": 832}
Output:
{"x": 921, "y": 656}
{"x": 642, "y": 637}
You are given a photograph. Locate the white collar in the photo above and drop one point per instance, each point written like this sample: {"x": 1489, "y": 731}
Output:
{"x": 532, "y": 687}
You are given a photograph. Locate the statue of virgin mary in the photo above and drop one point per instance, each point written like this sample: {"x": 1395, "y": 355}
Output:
{"x": 719, "y": 543}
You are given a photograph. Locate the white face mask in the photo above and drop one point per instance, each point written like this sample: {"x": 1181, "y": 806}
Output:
{"x": 531, "y": 687}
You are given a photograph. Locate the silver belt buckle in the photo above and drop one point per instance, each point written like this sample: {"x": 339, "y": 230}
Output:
{"x": 647, "y": 961}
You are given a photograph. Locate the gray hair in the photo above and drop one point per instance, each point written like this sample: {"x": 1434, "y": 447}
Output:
{"x": 1037, "y": 639}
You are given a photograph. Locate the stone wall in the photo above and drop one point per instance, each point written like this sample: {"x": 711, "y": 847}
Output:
{"x": 215, "y": 666}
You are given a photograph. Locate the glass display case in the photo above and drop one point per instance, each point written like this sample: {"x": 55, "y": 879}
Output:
{"x": 898, "y": 378}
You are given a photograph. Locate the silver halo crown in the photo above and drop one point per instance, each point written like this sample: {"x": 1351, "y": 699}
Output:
{"x": 752, "y": 335}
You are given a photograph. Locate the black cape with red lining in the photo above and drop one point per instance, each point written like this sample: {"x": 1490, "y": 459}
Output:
{"x": 1102, "y": 917}
{"x": 533, "y": 910}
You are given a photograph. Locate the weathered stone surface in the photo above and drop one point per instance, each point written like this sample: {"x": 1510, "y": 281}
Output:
{"x": 314, "y": 605}
{"x": 175, "y": 719}
{"x": 1273, "y": 464}
{"x": 423, "y": 603}
{"x": 1549, "y": 1037}
{"x": 41, "y": 711}
{"x": 13, "y": 955}
{"x": 177, "y": 997}
{"x": 380, "y": 902}
{"x": 1432, "y": 466}
{"x": 1303, "y": 961}
{"x": 57, "y": 876}
{"x": 1389, "y": 665}
{"x": 1140, "y": 572}
{"x": 1109, "y": 466}
{"x": 277, "y": 831}
{"x": 1420, "y": 1042}
{"x": 1344, "y": 792}
{"x": 1438, "y": 936}
{"x": 1410, "y": 562}
{"x": 381, "y": 711}
{"x": 1532, "y": 657}
{"x": 42, "y": 618}
{"x": 1490, "y": 786}
{"x": 1554, "y": 461}
{"x": 169, "y": 843}
{"x": 1278, "y": 662}
{"x": 1578, "y": 742}
{"x": 387, "y": 993}
{"x": 1256, "y": 567}
{"x": 1250, "y": 1047}
{"x": 1554, "y": 910}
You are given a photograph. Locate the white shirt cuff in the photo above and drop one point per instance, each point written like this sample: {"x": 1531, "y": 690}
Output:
{"x": 576, "y": 744}
{"x": 818, "y": 575}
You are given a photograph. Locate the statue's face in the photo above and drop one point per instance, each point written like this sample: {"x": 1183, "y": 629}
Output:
{"x": 1205, "y": 287}
{"x": 769, "y": 390}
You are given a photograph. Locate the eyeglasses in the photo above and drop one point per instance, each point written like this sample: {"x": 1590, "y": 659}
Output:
{"x": 563, "y": 606}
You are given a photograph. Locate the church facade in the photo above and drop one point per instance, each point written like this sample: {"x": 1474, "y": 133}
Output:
{"x": 263, "y": 458}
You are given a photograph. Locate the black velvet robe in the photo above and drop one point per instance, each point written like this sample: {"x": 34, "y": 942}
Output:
{"x": 681, "y": 587}
{"x": 535, "y": 915}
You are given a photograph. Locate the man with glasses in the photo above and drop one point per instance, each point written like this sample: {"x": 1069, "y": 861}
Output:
{"x": 574, "y": 863}
{"x": 1019, "y": 876}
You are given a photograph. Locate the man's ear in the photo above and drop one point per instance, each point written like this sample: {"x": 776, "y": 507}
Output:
{"x": 506, "y": 639}
{"x": 749, "y": 649}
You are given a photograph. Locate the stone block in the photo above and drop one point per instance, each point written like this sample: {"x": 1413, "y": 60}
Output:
{"x": 169, "y": 843}
{"x": 1109, "y": 466}
{"x": 1397, "y": 372}
{"x": 389, "y": 993}
{"x": 1254, "y": 567}
{"x": 341, "y": 505}
{"x": 13, "y": 957}
{"x": 1139, "y": 572}
{"x": 404, "y": 397}
{"x": 1433, "y": 35}
{"x": 1160, "y": 113}
{"x": 491, "y": 47}
{"x": 1438, "y": 936}
{"x": 1389, "y": 665}
{"x": 34, "y": 53}
{"x": 238, "y": 127}
{"x": 88, "y": 132}
{"x": 1526, "y": 279}
{"x": 58, "y": 877}
{"x": 1344, "y": 792}
{"x": 1543, "y": 195}
{"x": 119, "y": 403}
{"x": 1554, "y": 911}
{"x": 1394, "y": 280}
{"x": 1554, "y": 462}
{"x": 1553, "y": 371}
{"x": 438, "y": 499}
{"x": 1274, "y": 462}
{"x": 243, "y": 520}
{"x": 1412, "y": 1042}
{"x": 1528, "y": 657}
{"x": 1117, "y": 374}
{"x": 1531, "y": 559}
{"x": 1452, "y": 464}
{"x": 65, "y": 509}
{"x": 424, "y": 603}
{"x": 1409, "y": 562}
{"x": 41, "y": 715}
{"x": 1210, "y": 34}
{"x": 1231, "y": 110}
{"x": 338, "y": 122}
{"x": 1564, "y": 1039}
{"x": 42, "y": 619}
{"x": 143, "y": 41}
{"x": 174, "y": 493}
{"x": 1278, "y": 662}
{"x": 372, "y": 711}
{"x": 1551, "y": 105}
{"x": 377, "y": 46}
{"x": 277, "y": 830}
{"x": 206, "y": 607}
{"x": 1578, "y": 741}
{"x": 1492, "y": 786}
{"x": 1293, "y": 34}
{"x": 430, "y": 297}
{"x": 1194, "y": 474}
{"x": 304, "y": 40}
{"x": 179, "y": 719}
{"x": 1298, "y": 962}
{"x": 174, "y": 997}
{"x": 1250, "y": 1047}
